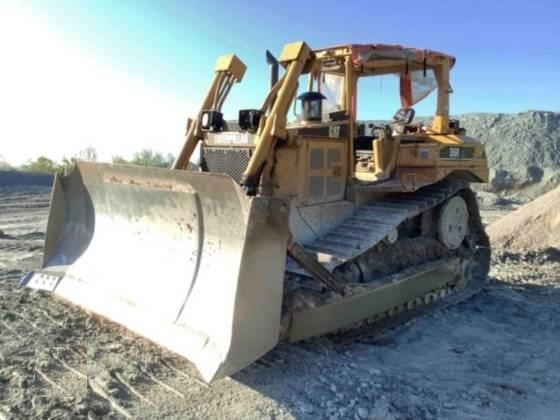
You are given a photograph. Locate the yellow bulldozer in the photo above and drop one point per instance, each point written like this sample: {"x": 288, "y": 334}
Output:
{"x": 266, "y": 230}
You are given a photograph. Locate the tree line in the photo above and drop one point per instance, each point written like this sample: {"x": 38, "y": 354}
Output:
{"x": 43, "y": 164}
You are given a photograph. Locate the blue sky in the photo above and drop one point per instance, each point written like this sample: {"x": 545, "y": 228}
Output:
{"x": 507, "y": 60}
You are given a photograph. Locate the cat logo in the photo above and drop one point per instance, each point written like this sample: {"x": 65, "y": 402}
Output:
{"x": 334, "y": 131}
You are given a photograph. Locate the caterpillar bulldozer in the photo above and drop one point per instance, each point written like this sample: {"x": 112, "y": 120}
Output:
{"x": 265, "y": 230}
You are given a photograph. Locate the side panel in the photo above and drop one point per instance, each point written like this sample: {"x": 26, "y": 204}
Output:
{"x": 311, "y": 173}
{"x": 325, "y": 165}
{"x": 423, "y": 163}
{"x": 288, "y": 172}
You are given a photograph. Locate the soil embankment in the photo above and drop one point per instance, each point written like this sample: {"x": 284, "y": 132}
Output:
{"x": 532, "y": 227}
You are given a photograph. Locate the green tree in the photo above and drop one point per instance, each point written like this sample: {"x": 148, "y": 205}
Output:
{"x": 67, "y": 162}
{"x": 118, "y": 159}
{"x": 148, "y": 157}
{"x": 42, "y": 164}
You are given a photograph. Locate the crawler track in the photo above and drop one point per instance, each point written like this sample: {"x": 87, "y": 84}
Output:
{"x": 370, "y": 224}
{"x": 379, "y": 263}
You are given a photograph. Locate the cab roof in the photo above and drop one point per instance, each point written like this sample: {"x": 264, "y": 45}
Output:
{"x": 380, "y": 58}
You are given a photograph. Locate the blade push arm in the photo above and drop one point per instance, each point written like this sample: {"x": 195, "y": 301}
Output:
{"x": 228, "y": 70}
{"x": 296, "y": 57}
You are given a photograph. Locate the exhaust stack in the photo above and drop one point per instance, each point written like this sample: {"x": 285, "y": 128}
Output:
{"x": 273, "y": 65}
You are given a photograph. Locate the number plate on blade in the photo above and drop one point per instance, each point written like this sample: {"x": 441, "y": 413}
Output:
{"x": 40, "y": 281}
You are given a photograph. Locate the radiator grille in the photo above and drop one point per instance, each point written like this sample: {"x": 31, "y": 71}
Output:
{"x": 231, "y": 161}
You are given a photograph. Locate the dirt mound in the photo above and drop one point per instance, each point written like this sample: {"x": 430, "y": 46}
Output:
{"x": 534, "y": 226}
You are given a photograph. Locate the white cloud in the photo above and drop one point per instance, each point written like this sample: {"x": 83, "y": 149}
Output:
{"x": 56, "y": 99}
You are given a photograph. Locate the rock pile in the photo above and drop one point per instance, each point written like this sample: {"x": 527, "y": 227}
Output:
{"x": 523, "y": 150}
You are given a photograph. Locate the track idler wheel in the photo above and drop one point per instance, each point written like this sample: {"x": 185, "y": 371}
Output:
{"x": 453, "y": 222}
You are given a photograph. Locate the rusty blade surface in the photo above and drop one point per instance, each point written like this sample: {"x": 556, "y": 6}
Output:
{"x": 182, "y": 258}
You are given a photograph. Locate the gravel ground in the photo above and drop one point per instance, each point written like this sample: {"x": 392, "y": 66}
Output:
{"x": 493, "y": 357}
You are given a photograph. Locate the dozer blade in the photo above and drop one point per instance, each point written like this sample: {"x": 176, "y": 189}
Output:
{"x": 185, "y": 259}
